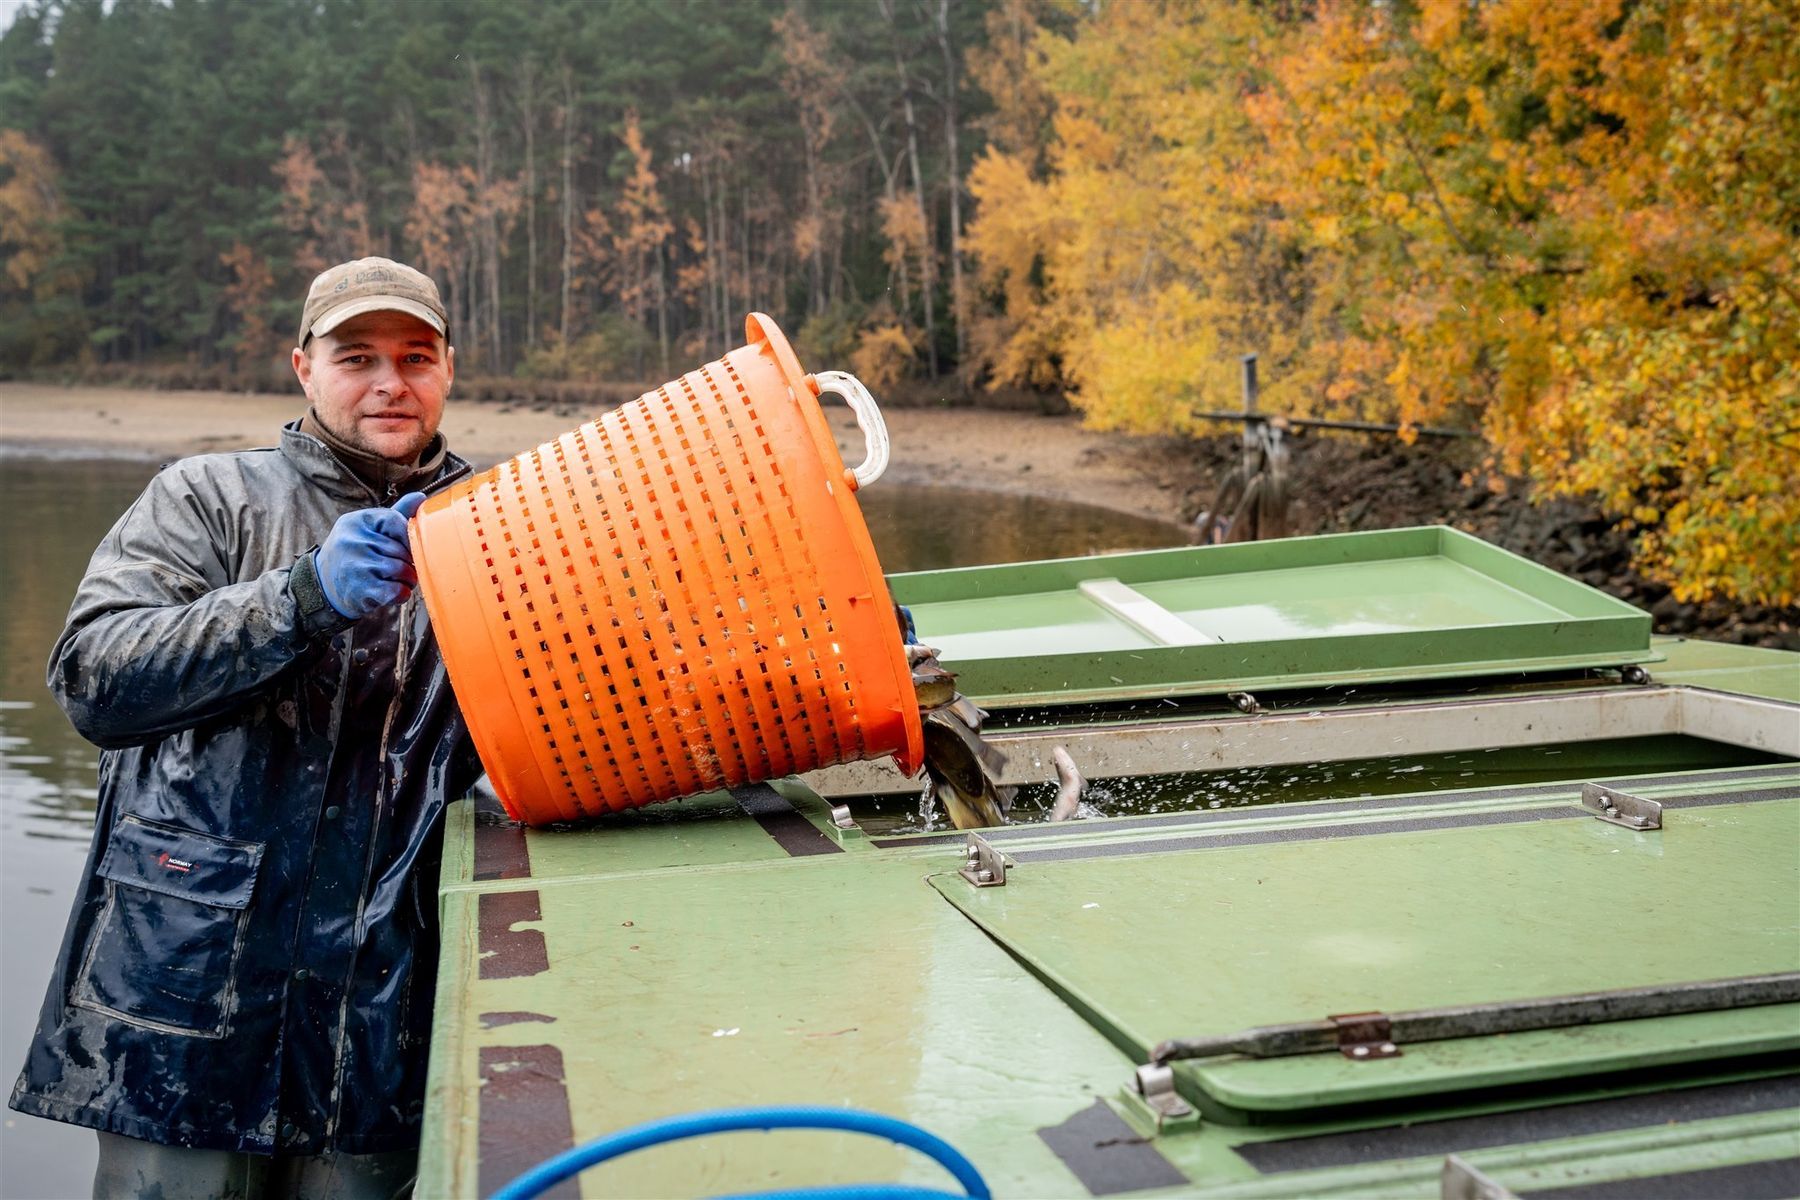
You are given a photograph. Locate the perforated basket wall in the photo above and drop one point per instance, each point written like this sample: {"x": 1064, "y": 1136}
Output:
{"x": 678, "y": 597}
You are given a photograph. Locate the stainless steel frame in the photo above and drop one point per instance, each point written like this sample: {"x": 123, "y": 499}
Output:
{"x": 1344, "y": 734}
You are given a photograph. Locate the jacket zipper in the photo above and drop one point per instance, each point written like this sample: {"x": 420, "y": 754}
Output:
{"x": 401, "y": 664}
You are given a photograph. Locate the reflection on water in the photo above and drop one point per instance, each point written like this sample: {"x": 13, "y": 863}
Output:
{"x": 926, "y": 528}
{"x": 52, "y": 513}
{"x": 51, "y": 516}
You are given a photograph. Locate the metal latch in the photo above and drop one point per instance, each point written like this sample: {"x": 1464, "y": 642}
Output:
{"x": 842, "y": 817}
{"x": 1365, "y": 1035}
{"x": 1621, "y": 808}
{"x": 1460, "y": 1181}
{"x": 1155, "y": 1082}
{"x": 987, "y": 868}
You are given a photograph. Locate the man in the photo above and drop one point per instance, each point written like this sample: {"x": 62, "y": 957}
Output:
{"x": 243, "y": 998}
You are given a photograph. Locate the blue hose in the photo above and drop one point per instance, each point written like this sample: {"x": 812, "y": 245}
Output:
{"x": 851, "y": 1191}
{"x": 733, "y": 1120}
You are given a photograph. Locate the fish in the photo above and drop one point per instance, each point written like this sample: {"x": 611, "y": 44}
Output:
{"x": 965, "y": 772}
{"x": 962, "y": 771}
{"x": 933, "y": 687}
{"x": 1069, "y": 786}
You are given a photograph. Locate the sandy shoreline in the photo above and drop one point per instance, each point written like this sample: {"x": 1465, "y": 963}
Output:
{"x": 1012, "y": 452}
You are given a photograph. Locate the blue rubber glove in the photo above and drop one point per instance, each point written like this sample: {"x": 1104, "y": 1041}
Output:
{"x": 366, "y": 561}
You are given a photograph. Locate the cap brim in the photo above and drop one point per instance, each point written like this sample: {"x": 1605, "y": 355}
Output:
{"x": 334, "y": 317}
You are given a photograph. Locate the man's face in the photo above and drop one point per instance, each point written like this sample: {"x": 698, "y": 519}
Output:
{"x": 378, "y": 382}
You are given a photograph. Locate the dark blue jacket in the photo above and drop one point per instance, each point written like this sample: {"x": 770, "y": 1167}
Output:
{"x": 250, "y": 962}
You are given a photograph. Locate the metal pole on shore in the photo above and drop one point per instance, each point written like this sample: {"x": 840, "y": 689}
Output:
{"x": 1250, "y": 414}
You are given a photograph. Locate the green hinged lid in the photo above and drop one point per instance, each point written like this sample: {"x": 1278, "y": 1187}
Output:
{"x": 1375, "y": 607}
{"x": 1235, "y": 922}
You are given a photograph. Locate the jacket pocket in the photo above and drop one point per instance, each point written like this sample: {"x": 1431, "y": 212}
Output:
{"x": 164, "y": 951}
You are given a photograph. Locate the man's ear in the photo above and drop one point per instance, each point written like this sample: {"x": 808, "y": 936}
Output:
{"x": 303, "y": 370}
{"x": 449, "y": 365}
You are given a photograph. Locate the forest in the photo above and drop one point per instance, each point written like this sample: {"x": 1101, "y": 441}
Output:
{"x": 1572, "y": 227}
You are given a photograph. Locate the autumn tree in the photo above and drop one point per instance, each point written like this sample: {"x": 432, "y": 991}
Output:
{"x": 1141, "y": 260}
{"x": 1574, "y": 224}
{"x": 246, "y": 297}
{"x": 1012, "y": 334}
{"x": 1675, "y": 386}
{"x": 328, "y": 220}
{"x": 30, "y": 205}
{"x": 809, "y": 77}
{"x": 640, "y": 235}
{"x": 1570, "y": 225}
{"x": 439, "y": 224}
{"x": 36, "y": 286}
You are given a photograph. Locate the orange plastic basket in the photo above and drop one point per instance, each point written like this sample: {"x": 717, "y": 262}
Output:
{"x": 678, "y": 597}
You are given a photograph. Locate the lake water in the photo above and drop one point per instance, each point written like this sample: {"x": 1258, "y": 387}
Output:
{"x": 52, "y": 513}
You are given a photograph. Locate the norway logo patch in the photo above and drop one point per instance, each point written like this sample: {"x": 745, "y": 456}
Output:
{"x": 169, "y": 862}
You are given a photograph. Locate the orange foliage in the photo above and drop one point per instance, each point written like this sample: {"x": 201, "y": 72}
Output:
{"x": 441, "y": 219}
{"x": 1571, "y": 224}
{"x": 643, "y": 225}
{"x": 246, "y": 298}
{"x": 329, "y": 218}
{"x": 450, "y": 211}
{"x": 30, "y": 205}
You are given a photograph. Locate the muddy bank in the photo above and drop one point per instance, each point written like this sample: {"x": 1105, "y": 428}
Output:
{"x": 1019, "y": 452}
{"x": 1338, "y": 482}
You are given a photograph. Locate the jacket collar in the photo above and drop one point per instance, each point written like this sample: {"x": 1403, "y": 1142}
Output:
{"x": 373, "y": 469}
{"x": 314, "y": 459}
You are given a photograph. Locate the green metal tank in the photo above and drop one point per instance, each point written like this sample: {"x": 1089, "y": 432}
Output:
{"x": 1573, "y": 970}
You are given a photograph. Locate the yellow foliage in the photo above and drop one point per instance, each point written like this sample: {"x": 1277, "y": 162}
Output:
{"x": 883, "y": 356}
{"x": 1138, "y": 266}
{"x": 903, "y": 224}
{"x": 1018, "y": 342}
{"x": 1005, "y": 68}
{"x": 1571, "y": 224}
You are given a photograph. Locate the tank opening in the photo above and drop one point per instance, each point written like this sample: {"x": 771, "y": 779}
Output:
{"x": 1348, "y": 779}
{"x": 1138, "y": 767}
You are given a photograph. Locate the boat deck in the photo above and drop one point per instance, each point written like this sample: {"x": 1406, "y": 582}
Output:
{"x": 745, "y": 950}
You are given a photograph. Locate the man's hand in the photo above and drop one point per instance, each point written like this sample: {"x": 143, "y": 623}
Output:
{"x": 366, "y": 561}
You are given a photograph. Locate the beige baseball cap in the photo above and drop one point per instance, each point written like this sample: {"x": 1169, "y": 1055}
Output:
{"x": 369, "y": 285}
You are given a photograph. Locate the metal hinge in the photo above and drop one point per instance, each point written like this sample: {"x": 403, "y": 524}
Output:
{"x": 1366, "y": 1035}
{"x": 987, "y": 867}
{"x": 1156, "y": 1084}
{"x": 1621, "y": 808}
{"x": 1460, "y": 1181}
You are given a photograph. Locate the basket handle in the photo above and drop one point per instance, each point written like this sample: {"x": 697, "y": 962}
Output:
{"x": 868, "y": 419}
